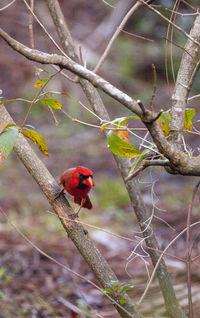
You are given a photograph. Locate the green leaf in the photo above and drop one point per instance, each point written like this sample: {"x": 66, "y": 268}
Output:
{"x": 108, "y": 290}
{"x": 123, "y": 301}
{"x": 125, "y": 287}
{"x": 189, "y": 114}
{"x": 139, "y": 159}
{"x": 123, "y": 120}
{"x": 7, "y": 141}
{"x": 13, "y": 100}
{"x": 40, "y": 82}
{"x": 113, "y": 283}
{"x": 58, "y": 93}
{"x": 3, "y": 269}
{"x": 103, "y": 127}
{"x": 51, "y": 102}
{"x": 35, "y": 137}
{"x": 164, "y": 121}
{"x": 121, "y": 148}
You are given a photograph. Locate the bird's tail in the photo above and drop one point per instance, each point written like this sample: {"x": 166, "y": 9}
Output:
{"x": 87, "y": 204}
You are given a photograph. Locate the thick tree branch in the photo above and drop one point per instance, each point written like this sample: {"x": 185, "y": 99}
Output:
{"x": 75, "y": 231}
{"x": 180, "y": 163}
{"x": 124, "y": 166}
{"x": 69, "y": 64}
{"x": 187, "y": 70}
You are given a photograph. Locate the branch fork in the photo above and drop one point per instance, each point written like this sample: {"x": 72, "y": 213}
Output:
{"x": 148, "y": 116}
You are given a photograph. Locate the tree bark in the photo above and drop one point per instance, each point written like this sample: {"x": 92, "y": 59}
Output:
{"x": 172, "y": 306}
{"x": 75, "y": 231}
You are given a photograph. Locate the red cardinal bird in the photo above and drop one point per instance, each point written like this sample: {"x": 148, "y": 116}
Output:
{"x": 78, "y": 182}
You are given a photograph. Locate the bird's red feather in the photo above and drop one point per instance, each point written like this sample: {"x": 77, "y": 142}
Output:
{"x": 70, "y": 180}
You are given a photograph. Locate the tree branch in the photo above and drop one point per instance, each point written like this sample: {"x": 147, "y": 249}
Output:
{"x": 124, "y": 167}
{"x": 70, "y": 65}
{"x": 180, "y": 162}
{"x": 184, "y": 83}
{"x": 115, "y": 35}
{"x": 75, "y": 231}
{"x": 148, "y": 163}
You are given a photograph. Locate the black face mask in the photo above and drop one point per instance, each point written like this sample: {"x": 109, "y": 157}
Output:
{"x": 82, "y": 185}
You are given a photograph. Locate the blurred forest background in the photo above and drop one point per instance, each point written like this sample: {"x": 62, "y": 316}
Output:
{"x": 30, "y": 284}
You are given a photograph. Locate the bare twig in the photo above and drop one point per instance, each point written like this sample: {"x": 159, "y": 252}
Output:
{"x": 115, "y": 35}
{"x": 62, "y": 265}
{"x": 161, "y": 256}
{"x": 75, "y": 231}
{"x": 182, "y": 14}
{"x": 173, "y": 24}
{"x": 154, "y": 86}
{"x": 188, "y": 251}
{"x": 30, "y": 25}
{"x": 182, "y": 164}
{"x": 137, "y": 36}
{"x": 193, "y": 97}
{"x": 45, "y": 30}
{"x": 179, "y": 46}
{"x": 108, "y": 4}
{"x": 8, "y": 5}
{"x": 147, "y": 163}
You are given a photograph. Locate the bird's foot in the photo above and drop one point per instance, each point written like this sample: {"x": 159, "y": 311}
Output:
{"x": 74, "y": 216}
{"x": 58, "y": 194}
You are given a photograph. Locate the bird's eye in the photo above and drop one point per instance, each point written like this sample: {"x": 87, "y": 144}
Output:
{"x": 82, "y": 176}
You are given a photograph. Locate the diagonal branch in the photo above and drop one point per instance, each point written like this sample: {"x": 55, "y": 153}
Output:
{"x": 180, "y": 163}
{"x": 69, "y": 64}
{"x": 75, "y": 231}
{"x": 115, "y": 35}
{"x": 139, "y": 207}
{"x": 148, "y": 163}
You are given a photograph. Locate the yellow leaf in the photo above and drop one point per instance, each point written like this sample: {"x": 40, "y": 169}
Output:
{"x": 35, "y": 137}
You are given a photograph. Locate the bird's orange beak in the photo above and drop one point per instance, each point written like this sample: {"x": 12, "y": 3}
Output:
{"x": 89, "y": 181}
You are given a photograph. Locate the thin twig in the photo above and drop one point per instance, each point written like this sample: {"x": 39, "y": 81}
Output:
{"x": 115, "y": 35}
{"x": 173, "y": 24}
{"x": 179, "y": 46}
{"x": 188, "y": 252}
{"x": 45, "y": 30}
{"x": 62, "y": 265}
{"x": 160, "y": 258}
{"x": 144, "y": 139}
{"x": 173, "y": 19}
{"x": 36, "y": 97}
{"x": 154, "y": 86}
{"x": 121, "y": 236}
{"x": 30, "y": 26}
{"x": 137, "y": 36}
{"x": 188, "y": 4}
{"x": 8, "y": 5}
{"x": 108, "y": 4}
{"x": 146, "y": 164}
{"x": 195, "y": 96}
{"x": 73, "y": 80}
{"x": 54, "y": 116}
{"x": 182, "y": 14}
